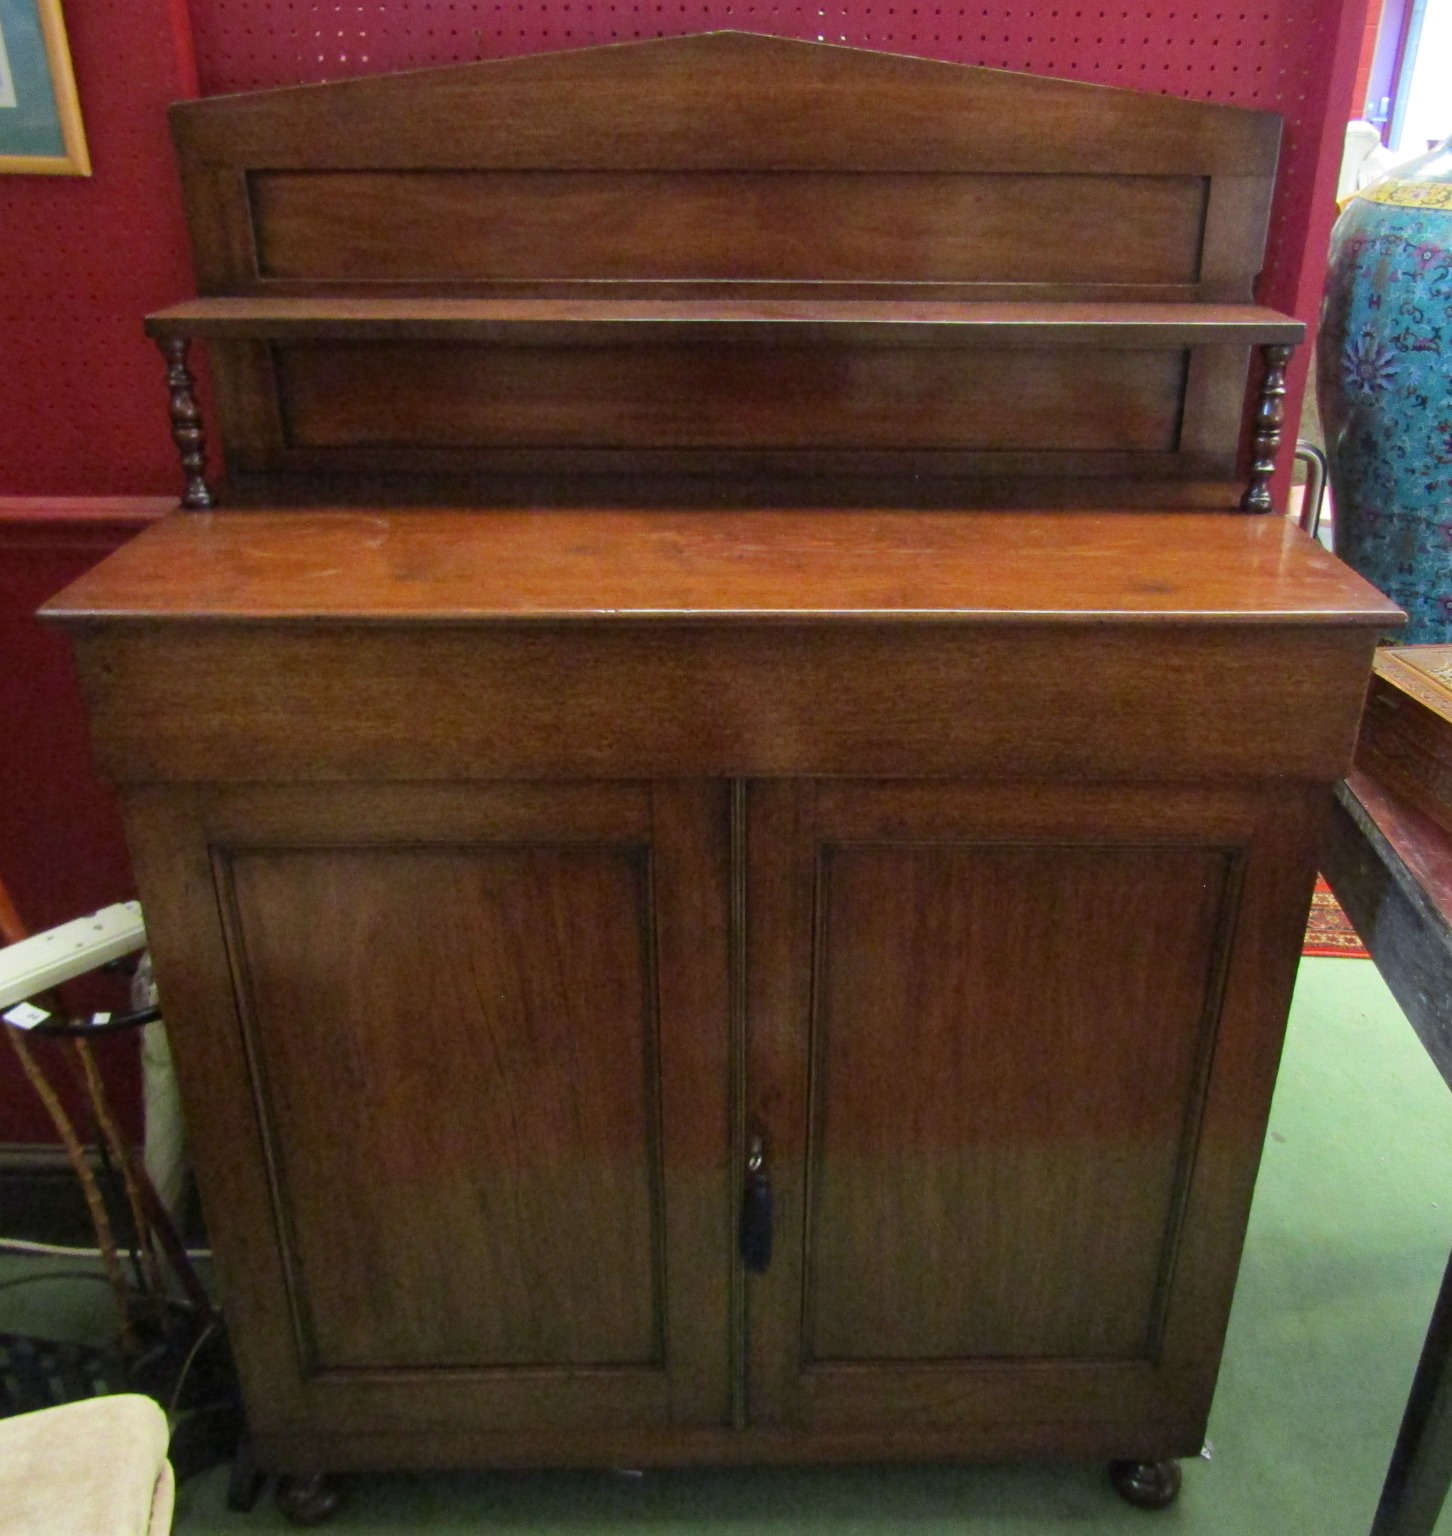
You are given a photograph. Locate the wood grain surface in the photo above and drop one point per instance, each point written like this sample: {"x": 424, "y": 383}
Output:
{"x": 967, "y": 1202}
{"x": 434, "y": 568}
{"x": 513, "y": 985}
{"x": 908, "y": 1066}
{"x": 729, "y": 99}
{"x": 741, "y": 318}
{"x": 568, "y": 201}
{"x": 1390, "y": 865}
{"x": 725, "y": 394}
{"x": 754, "y": 226}
{"x": 479, "y": 1169}
{"x": 508, "y": 871}
{"x": 238, "y": 704}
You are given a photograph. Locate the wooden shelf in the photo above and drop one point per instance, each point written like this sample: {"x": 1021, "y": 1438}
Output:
{"x": 894, "y": 322}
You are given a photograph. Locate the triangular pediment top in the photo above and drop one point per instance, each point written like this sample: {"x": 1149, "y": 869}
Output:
{"x": 706, "y": 52}
{"x": 733, "y": 99}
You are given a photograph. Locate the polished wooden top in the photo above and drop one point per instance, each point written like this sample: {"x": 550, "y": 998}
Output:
{"x": 604, "y": 565}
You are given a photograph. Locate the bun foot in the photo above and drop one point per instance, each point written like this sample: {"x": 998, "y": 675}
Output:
{"x": 1146, "y": 1484}
{"x": 311, "y": 1499}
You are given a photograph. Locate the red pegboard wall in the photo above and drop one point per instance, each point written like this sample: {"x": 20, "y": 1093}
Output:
{"x": 82, "y": 259}
{"x": 1277, "y": 56}
{"x": 81, "y": 402}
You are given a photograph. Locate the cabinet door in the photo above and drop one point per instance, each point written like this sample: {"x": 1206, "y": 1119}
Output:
{"x": 1010, "y": 1052}
{"x": 457, "y": 1070}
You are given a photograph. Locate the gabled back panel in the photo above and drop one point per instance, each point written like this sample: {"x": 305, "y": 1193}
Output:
{"x": 733, "y": 166}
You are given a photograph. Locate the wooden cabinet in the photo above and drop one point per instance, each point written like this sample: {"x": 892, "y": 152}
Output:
{"x": 498, "y": 917}
{"x": 522, "y": 849}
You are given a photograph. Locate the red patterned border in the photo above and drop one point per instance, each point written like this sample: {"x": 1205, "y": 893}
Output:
{"x": 1329, "y": 930}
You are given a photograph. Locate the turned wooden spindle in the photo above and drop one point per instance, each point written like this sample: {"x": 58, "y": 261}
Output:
{"x": 186, "y": 422}
{"x": 1270, "y": 416}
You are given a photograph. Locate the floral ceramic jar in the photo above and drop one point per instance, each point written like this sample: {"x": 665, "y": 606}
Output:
{"x": 1384, "y": 361}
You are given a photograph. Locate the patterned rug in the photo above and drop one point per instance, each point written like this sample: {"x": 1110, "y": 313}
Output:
{"x": 1329, "y": 931}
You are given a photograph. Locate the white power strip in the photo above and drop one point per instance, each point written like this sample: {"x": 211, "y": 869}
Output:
{"x": 56, "y": 955}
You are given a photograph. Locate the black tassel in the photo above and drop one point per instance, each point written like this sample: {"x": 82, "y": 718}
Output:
{"x": 756, "y": 1223}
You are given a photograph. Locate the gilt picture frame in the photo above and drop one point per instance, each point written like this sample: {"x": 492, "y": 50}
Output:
{"x": 41, "y": 132}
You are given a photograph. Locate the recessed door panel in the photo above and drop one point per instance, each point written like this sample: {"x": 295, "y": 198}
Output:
{"x": 455, "y": 1049}
{"x": 1005, "y": 1049}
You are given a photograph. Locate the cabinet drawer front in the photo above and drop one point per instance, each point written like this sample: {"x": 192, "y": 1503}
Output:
{"x": 292, "y": 702}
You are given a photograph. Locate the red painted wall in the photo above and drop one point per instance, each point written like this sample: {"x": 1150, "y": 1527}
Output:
{"x": 82, "y": 410}
{"x": 82, "y": 413}
{"x": 61, "y": 848}
{"x": 82, "y": 259}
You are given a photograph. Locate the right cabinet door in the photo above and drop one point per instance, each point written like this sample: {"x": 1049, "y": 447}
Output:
{"x": 1010, "y": 1052}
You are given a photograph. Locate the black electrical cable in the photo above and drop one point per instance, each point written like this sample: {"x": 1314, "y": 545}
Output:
{"x": 84, "y": 1028}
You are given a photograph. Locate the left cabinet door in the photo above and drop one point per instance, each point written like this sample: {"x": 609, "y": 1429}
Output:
{"x": 457, "y": 1073}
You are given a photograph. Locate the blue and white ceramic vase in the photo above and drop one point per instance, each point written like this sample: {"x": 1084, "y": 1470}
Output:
{"x": 1384, "y": 366}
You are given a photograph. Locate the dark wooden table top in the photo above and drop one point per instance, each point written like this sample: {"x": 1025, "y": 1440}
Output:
{"x": 1423, "y": 848}
{"x": 1390, "y": 866}
{"x": 600, "y": 565}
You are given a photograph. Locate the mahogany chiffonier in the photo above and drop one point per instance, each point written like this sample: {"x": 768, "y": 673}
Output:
{"x": 726, "y": 792}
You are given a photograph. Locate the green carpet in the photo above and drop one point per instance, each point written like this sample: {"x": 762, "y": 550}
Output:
{"x": 1351, "y": 1228}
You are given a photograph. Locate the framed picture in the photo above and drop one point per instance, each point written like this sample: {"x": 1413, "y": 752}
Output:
{"x": 40, "y": 114}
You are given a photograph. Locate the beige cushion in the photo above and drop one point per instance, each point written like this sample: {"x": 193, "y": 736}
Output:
{"x": 96, "y": 1468}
